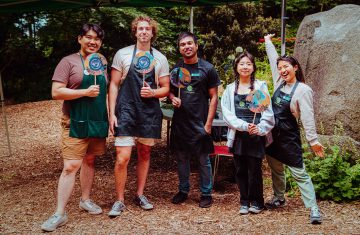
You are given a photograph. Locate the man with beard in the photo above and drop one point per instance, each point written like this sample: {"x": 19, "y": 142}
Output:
{"x": 135, "y": 114}
{"x": 192, "y": 120}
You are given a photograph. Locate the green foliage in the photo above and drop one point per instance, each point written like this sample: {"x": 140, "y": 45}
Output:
{"x": 335, "y": 177}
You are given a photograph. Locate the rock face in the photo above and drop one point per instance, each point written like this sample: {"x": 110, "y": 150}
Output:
{"x": 328, "y": 49}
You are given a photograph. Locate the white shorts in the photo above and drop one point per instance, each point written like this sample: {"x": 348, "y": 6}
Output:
{"x": 123, "y": 141}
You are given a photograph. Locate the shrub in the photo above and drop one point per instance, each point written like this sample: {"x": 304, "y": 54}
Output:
{"x": 335, "y": 177}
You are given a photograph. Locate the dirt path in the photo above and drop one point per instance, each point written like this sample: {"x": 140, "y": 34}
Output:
{"x": 28, "y": 181}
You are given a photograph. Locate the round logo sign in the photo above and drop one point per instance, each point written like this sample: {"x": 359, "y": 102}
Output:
{"x": 143, "y": 63}
{"x": 95, "y": 63}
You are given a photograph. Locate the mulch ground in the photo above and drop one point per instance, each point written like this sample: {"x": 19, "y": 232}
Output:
{"x": 28, "y": 182}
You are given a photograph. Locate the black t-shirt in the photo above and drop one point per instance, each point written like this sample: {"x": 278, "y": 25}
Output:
{"x": 207, "y": 75}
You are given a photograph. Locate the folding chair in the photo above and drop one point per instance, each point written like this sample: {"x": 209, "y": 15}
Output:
{"x": 220, "y": 149}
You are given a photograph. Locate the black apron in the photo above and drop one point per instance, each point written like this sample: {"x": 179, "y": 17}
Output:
{"x": 188, "y": 123}
{"x": 244, "y": 143}
{"x": 88, "y": 115}
{"x": 137, "y": 116}
{"x": 286, "y": 146}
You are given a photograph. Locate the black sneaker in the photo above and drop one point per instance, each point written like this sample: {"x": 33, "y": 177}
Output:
{"x": 275, "y": 203}
{"x": 180, "y": 197}
{"x": 205, "y": 201}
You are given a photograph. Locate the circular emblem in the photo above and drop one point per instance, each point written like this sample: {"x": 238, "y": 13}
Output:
{"x": 95, "y": 63}
{"x": 277, "y": 100}
{"x": 180, "y": 77}
{"x": 143, "y": 63}
{"x": 189, "y": 88}
{"x": 242, "y": 104}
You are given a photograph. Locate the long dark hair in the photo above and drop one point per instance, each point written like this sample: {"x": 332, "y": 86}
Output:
{"x": 293, "y": 61}
{"x": 237, "y": 75}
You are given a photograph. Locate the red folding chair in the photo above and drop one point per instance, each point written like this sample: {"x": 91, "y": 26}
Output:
{"x": 219, "y": 150}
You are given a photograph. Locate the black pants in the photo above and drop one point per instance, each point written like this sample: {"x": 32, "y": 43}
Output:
{"x": 249, "y": 179}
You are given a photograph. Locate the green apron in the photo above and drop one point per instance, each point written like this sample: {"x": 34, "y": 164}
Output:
{"x": 88, "y": 115}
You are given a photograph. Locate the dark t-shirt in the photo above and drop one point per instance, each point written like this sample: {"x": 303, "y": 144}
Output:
{"x": 188, "y": 133}
{"x": 205, "y": 71}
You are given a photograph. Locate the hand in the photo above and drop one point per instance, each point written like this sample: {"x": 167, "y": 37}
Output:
{"x": 93, "y": 91}
{"x": 207, "y": 128}
{"x": 318, "y": 150}
{"x": 268, "y": 37}
{"x": 147, "y": 91}
{"x": 112, "y": 123}
{"x": 253, "y": 129}
{"x": 176, "y": 102}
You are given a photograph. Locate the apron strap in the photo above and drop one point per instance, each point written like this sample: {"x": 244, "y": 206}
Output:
{"x": 294, "y": 88}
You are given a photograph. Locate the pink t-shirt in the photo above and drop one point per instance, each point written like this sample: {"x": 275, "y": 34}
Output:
{"x": 69, "y": 71}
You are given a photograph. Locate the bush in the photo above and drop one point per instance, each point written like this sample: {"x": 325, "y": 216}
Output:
{"x": 335, "y": 177}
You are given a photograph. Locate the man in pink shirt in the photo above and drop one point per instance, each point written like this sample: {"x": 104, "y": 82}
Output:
{"x": 84, "y": 122}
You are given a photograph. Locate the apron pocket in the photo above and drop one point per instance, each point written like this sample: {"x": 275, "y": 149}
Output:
{"x": 98, "y": 129}
{"x": 78, "y": 129}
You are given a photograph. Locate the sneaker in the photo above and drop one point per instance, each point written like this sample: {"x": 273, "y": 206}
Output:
{"x": 256, "y": 209}
{"x": 53, "y": 222}
{"x": 90, "y": 207}
{"x": 275, "y": 203}
{"x": 315, "y": 215}
{"x": 180, "y": 197}
{"x": 117, "y": 208}
{"x": 205, "y": 201}
{"x": 244, "y": 210}
{"x": 143, "y": 202}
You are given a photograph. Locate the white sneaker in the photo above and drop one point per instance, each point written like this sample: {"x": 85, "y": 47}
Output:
{"x": 244, "y": 210}
{"x": 117, "y": 208}
{"x": 54, "y": 222}
{"x": 315, "y": 215}
{"x": 90, "y": 207}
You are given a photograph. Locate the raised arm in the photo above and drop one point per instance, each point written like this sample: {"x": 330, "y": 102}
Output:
{"x": 272, "y": 56}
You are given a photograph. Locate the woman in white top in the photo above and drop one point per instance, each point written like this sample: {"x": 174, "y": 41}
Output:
{"x": 291, "y": 101}
{"x": 246, "y": 138}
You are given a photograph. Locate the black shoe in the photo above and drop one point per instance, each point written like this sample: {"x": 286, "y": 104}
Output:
{"x": 275, "y": 203}
{"x": 205, "y": 201}
{"x": 179, "y": 198}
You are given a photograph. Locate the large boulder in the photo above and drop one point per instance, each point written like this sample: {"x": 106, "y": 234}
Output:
{"x": 328, "y": 49}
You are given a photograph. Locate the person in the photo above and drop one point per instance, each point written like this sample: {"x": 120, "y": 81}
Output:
{"x": 194, "y": 111}
{"x": 135, "y": 113}
{"x": 84, "y": 123}
{"x": 246, "y": 134}
{"x": 292, "y": 100}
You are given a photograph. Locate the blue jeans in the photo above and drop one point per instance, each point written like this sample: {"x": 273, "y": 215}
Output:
{"x": 183, "y": 160}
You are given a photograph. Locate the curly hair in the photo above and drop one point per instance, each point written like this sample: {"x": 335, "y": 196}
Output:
{"x": 152, "y": 23}
{"x": 252, "y": 76}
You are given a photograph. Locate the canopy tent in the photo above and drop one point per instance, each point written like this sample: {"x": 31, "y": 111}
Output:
{"x": 13, "y": 6}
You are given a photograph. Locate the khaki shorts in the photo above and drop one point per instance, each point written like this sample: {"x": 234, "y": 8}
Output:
{"x": 124, "y": 141}
{"x": 75, "y": 148}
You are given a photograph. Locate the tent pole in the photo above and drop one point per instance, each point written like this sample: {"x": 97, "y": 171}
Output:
{"x": 191, "y": 23}
{"x": 283, "y": 25}
{"x": 4, "y": 114}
